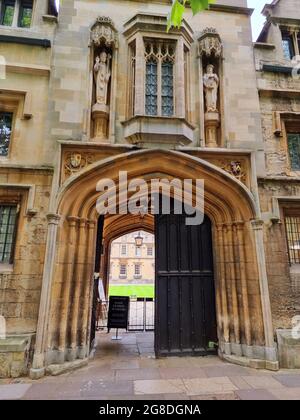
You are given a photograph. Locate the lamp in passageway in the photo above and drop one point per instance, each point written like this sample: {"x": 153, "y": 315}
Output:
{"x": 139, "y": 240}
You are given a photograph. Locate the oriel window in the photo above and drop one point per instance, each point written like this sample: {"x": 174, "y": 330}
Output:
{"x": 160, "y": 58}
{"x": 8, "y": 218}
{"x": 6, "y": 119}
{"x": 294, "y": 150}
{"x": 7, "y": 12}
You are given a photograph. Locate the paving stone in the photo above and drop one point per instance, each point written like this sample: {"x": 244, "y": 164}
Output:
{"x": 130, "y": 364}
{"x": 260, "y": 382}
{"x": 172, "y": 386}
{"x": 134, "y": 374}
{"x": 229, "y": 370}
{"x": 105, "y": 388}
{"x": 286, "y": 393}
{"x": 239, "y": 382}
{"x": 200, "y": 386}
{"x": 290, "y": 381}
{"x": 182, "y": 372}
{"x": 13, "y": 391}
{"x": 255, "y": 394}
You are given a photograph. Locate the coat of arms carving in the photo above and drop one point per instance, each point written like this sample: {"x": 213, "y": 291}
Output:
{"x": 75, "y": 161}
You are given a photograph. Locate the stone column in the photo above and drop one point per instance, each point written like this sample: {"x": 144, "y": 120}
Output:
{"x": 222, "y": 284}
{"x": 243, "y": 277}
{"x": 66, "y": 286}
{"x": 87, "y": 285}
{"x": 271, "y": 353}
{"x": 38, "y": 365}
{"x": 230, "y": 263}
{"x": 77, "y": 284}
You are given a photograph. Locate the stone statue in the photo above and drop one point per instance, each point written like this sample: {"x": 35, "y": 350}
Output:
{"x": 211, "y": 86}
{"x": 102, "y": 76}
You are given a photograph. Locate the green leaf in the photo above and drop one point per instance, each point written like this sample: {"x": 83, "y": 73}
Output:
{"x": 198, "y": 5}
{"x": 176, "y": 15}
{"x": 178, "y": 8}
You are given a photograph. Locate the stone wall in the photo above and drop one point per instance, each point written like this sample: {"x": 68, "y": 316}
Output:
{"x": 20, "y": 283}
{"x": 285, "y": 297}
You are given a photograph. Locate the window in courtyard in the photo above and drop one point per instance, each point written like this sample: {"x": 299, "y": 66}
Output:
{"x": 137, "y": 270}
{"x": 292, "y": 225}
{"x": 294, "y": 150}
{"x": 138, "y": 251}
{"x": 8, "y": 217}
{"x": 150, "y": 251}
{"x": 123, "y": 249}
{"x": 123, "y": 271}
{"x": 288, "y": 46}
{"x": 16, "y": 13}
{"x": 6, "y": 119}
{"x": 160, "y": 58}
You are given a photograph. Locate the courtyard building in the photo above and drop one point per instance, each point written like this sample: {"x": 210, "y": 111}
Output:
{"x": 101, "y": 88}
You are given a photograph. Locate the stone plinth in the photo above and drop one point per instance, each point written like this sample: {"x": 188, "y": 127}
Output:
{"x": 14, "y": 353}
{"x": 212, "y": 123}
{"x": 288, "y": 349}
{"x": 100, "y": 116}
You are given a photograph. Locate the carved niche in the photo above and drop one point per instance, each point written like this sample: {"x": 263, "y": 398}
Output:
{"x": 210, "y": 51}
{"x": 104, "y": 42}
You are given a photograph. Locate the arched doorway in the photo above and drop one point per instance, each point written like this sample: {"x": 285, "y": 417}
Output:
{"x": 242, "y": 312}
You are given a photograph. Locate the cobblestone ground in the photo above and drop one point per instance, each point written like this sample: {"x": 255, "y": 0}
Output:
{"x": 127, "y": 370}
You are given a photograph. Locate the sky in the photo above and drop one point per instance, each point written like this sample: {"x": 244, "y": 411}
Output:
{"x": 257, "y": 18}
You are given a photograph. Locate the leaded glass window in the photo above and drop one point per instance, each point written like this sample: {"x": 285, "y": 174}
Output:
{"x": 160, "y": 57}
{"x": 8, "y": 216}
{"x": 292, "y": 226}
{"x": 167, "y": 95}
{"x": 25, "y": 15}
{"x": 288, "y": 46}
{"x": 7, "y": 12}
{"x": 151, "y": 87}
{"x": 294, "y": 151}
{"x": 5, "y": 132}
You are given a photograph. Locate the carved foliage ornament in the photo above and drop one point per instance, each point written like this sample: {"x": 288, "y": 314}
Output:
{"x": 103, "y": 33}
{"x": 210, "y": 43}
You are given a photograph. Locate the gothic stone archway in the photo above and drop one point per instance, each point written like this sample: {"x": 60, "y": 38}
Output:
{"x": 243, "y": 308}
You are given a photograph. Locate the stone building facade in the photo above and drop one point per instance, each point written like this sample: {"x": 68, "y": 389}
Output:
{"x": 132, "y": 262}
{"x": 102, "y": 89}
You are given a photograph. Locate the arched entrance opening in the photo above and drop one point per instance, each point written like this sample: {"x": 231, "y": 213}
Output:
{"x": 242, "y": 316}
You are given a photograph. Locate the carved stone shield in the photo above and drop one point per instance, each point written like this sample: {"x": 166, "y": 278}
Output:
{"x": 75, "y": 160}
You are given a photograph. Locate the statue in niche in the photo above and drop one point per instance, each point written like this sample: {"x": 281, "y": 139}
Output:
{"x": 211, "y": 85}
{"x": 102, "y": 76}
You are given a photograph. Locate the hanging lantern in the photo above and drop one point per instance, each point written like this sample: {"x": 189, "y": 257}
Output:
{"x": 139, "y": 240}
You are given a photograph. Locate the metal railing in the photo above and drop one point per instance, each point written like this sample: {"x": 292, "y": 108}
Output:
{"x": 141, "y": 314}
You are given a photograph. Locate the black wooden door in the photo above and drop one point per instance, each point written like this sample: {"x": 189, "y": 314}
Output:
{"x": 185, "y": 319}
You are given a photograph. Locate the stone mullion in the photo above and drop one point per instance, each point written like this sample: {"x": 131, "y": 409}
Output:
{"x": 242, "y": 260}
{"x": 67, "y": 282}
{"x": 224, "y": 319}
{"x": 78, "y": 277}
{"x": 231, "y": 274}
{"x": 139, "y": 106}
{"x": 179, "y": 81}
{"x": 159, "y": 82}
{"x": 88, "y": 276}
